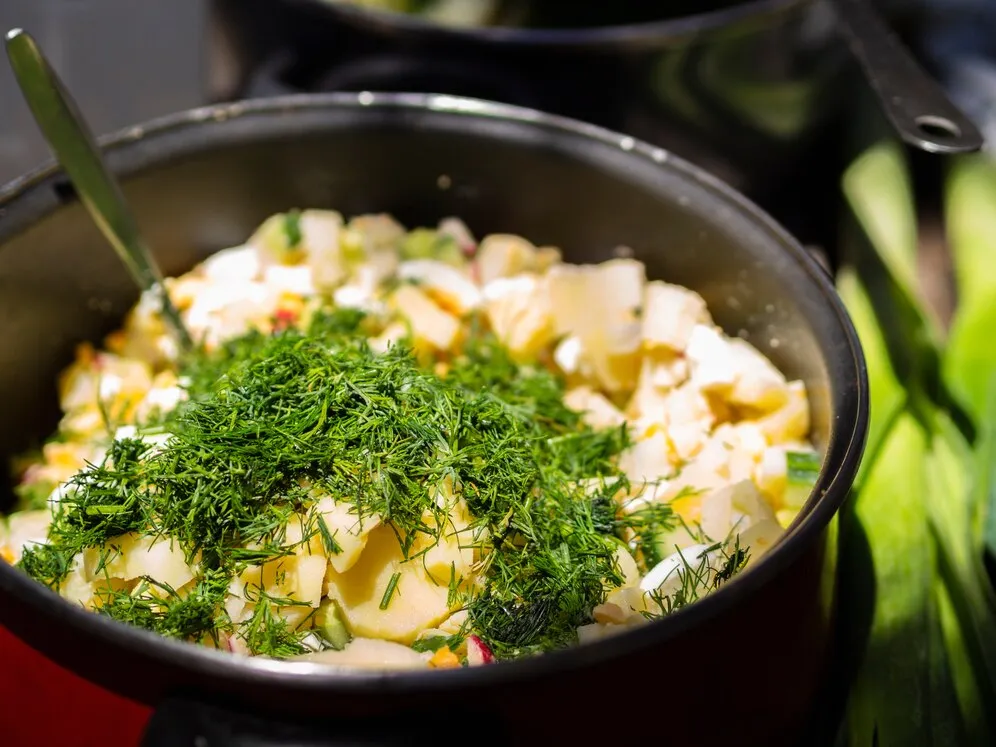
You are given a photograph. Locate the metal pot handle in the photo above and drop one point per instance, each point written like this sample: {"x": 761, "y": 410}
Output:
{"x": 916, "y": 104}
{"x": 191, "y": 722}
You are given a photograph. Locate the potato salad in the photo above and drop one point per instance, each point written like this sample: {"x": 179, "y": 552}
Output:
{"x": 397, "y": 448}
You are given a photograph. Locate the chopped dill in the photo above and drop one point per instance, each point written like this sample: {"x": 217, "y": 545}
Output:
{"x": 274, "y": 419}
{"x": 392, "y": 587}
{"x": 292, "y": 228}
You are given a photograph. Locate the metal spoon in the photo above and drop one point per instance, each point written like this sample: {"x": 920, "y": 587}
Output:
{"x": 915, "y": 104}
{"x": 76, "y": 150}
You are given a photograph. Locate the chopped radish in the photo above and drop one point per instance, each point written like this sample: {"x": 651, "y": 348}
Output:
{"x": 478, "y": 652}
{"x": 284, "y": 318}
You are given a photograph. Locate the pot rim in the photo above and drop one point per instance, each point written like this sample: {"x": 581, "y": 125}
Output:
{"x": 623, "y": 35}
{"x": 847, "y": 436}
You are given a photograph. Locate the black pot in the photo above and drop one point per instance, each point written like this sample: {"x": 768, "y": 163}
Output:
{"x": 741, "y": 666}
{"x": 754, "y": 92}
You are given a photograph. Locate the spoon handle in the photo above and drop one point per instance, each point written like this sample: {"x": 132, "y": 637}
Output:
{"x": 78, "y": 153}
{"x": 915, "y": 103}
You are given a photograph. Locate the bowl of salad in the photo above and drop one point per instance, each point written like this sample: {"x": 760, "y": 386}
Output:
{"x": 487, "y": 409}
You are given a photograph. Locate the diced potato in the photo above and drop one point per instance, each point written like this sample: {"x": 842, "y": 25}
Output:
{"x": 276, "y": 578}
{"x": 391, "y": 335}
{"x": 309, "y": 579}
{"x": 630, "y": 599}
{"x": 646, "y": 460}
{"x": 627, "y": 565}
{"x": 758, "y": 383}
{"x": 569, "y": 355}
{"x": 748, "y": 502}
{"x": 760, "y": 537}
{"x": 347, "y": 529}
{"x": 134, "y": 556}
{"x": 25, "y": 528}
{"x": 574, "y": 310}
{"x": 665, "y": 577}
{"x": 712, "y": 360}
{"x": 430, "y": 324}
{"x": 296, "y": 279}
{"x": 238, "y": 264}
{"x": 771, "y": 474}
{"x": 670, "y": 312}
{"x": 416, "y": 604}
{"x": 280, "y": 239}
{"x": 449, "y": 286}
{"x": 658, "y": 376}
{"x": 520, "y": 314}
{"x": 502, "y": 256}
{"x": 372, "y": 234}
{"x": 453, "y": 555}
{"x": 790, "y": 422}
{"x": 598, "y": 411}
{"x": 235, "y": 599}
{"x": 370, "y": 653}
{"x": 615, "y": 369}
{"x": 76, "y": 588}
{"x": 717, "y": 513}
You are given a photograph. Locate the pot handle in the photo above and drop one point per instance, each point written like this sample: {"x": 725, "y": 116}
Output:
{"x": 914, "y": 102}
{"x": 190, "y": 722}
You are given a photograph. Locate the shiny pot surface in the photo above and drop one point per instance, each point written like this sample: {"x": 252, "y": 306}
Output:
{"x": 741, "y": 666}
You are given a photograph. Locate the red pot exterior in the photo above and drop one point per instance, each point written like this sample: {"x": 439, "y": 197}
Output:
{"x": 86, "y": 715}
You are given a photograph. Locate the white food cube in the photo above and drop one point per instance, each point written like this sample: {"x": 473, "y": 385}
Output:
{"x": 569, "y": 355}
{"x": 790, "y": 422}
{"x": 760, "y": 537}
{"x": 391, "y": 335}
{"x": 502, "y": 256}
{"x": 429, "y": 323}
{"x": 758, "y": 383}
{"x": 711, "y": 359}
{"x": 24, "y": 529}
{"x": 670, "y": 313}
{"x": 296, "y": 279}
{"x": 658, "y": 376}
{"x": 666, "y": 575}
{"x": 771, "y": 474}
{"x": 646, "y": 460}
{"x": 134, "y": 556}
{"x": 322, "y": 232}
{"x": 598, "y": 411}
{"x": 519, "y": 313}
{"x": 620, "y": 285}
{"x": 449, "y": 286}
{"x": 238, "y": 264}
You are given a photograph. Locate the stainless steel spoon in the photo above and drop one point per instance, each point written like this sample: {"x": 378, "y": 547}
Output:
{"x": 915, "y": 104}
{"x": 76, "y": 150}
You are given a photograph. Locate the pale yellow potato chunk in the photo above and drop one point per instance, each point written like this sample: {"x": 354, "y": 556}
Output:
{"x": 430, "y": 324}
{"x": 417, "y": 603}
{"x": 134, "y": 556}
{"x": 348, "y": 530}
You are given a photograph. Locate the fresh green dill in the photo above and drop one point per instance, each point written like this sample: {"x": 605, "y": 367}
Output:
{"x": 392, "y": 587}
{"x": 434, "y": 643}
{"x": 715, "y": 565}
{"x": 157, "y": 607}
{"x": 274, "y": 420}
{"x": 292, "y": 228}
{"x": 267, "y": 633}
{"x": 328, "y": 538}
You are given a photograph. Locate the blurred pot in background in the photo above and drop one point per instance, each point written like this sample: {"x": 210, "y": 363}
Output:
{"x": 751, "y": 91}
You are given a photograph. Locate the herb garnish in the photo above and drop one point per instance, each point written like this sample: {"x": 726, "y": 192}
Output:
{"x": 272, "y": 416}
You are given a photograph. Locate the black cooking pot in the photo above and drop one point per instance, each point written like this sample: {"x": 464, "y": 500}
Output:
{"x": 751, "y": 90}
{"x": 741, "y": 666}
